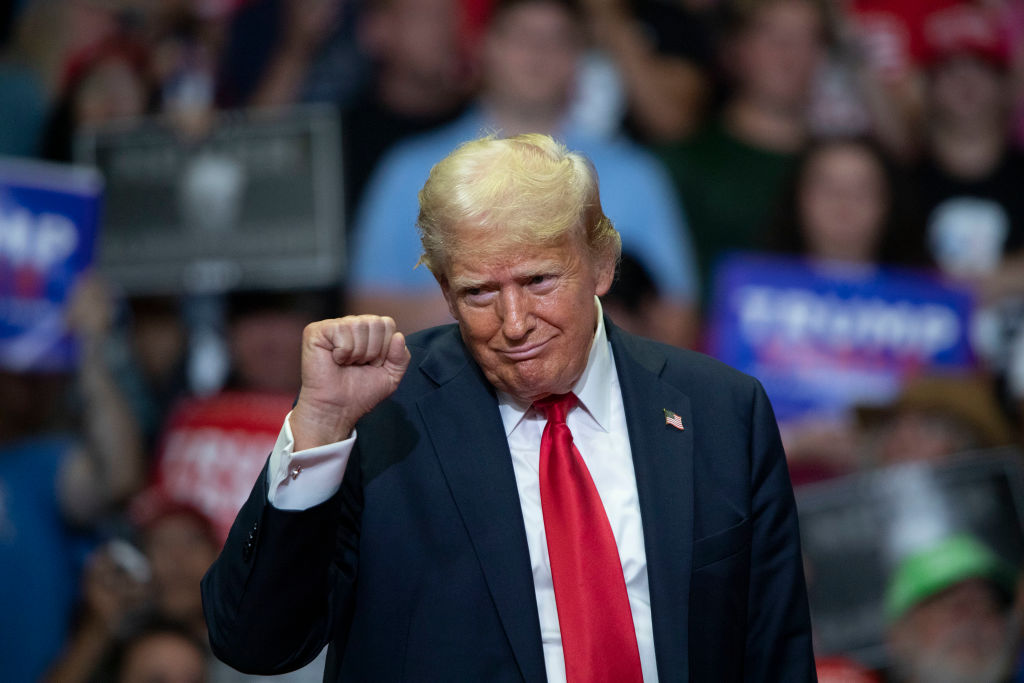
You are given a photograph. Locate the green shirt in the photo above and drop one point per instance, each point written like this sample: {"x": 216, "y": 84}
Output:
{"x": 729, "y": 189}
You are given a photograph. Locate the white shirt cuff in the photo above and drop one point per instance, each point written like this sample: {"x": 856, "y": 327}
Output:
{"x": 299, "y": 481}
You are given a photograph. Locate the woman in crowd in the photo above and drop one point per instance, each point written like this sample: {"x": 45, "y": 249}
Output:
{"x": 843, "y": 204}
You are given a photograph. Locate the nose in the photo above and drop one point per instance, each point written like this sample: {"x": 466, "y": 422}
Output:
{"x": 516, "y": 318}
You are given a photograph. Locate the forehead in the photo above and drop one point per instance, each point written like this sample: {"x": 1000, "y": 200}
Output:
{"x": 484, "y": 252}
{"x": 534, "y": 13}
{"x": 966, "y": 64}
{"x": 787, "y": 14}
{"x": 842, "y": 156}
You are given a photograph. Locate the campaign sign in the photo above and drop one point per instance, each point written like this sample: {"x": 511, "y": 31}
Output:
{"x": 214, "y": 448}
{"x": 855, "y": 531}
{"x": 822, "y": 336}
{"x": 49, "y": 215}
{"x": 254, "y": 202}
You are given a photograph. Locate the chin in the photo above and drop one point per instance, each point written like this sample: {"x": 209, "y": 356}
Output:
{"x": 976, "y": 662}
{"x": 529, "y": 389}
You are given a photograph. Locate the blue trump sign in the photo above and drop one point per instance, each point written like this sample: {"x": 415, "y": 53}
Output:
{"x": 49, "y": 216}
{"x": 824, "y": 336}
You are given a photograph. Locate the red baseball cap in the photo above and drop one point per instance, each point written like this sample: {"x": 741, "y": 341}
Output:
{"x": 966, "y": 29}
{"x": 839, "y": 669}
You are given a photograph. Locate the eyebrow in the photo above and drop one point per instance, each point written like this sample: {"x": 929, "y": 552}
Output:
{"x": 459, "y": 284}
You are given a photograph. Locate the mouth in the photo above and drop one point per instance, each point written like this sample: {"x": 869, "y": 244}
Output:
{"x": 522, "y": 353}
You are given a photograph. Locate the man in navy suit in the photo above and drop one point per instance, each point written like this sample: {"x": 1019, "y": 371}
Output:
{"x": 407, "y": 515}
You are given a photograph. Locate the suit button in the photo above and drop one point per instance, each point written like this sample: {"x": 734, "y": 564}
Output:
{"x": 250, "y": 542}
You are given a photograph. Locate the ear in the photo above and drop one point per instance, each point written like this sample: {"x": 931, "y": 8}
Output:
{"x": 604, "y": 273}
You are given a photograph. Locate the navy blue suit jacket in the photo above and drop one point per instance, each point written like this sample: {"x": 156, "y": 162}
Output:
{"x": 418, "y": 568}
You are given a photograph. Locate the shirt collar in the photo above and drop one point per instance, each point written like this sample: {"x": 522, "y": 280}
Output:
{"x": 591, "y": 388}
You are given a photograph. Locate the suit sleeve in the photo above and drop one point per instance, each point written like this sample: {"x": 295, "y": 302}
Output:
{"x": 282, "y": 586}
{"x": 778, "y": 646}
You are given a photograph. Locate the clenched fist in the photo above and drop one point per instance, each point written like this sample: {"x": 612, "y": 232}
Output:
{"x": 349, "y": 365}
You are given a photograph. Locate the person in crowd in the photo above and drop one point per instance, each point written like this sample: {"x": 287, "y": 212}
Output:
{"x": 872, "y": 82}
{"x": 277, "y": 53}
{"x": 23, "y": 93}
{"x": 212, "y": 447}
{"x": 185, "y": 40}
{"x": 969, "y": 179}
{"x": 934, "y": 417}
{"x": 152, "y": 650}
{"x": 772, "y": 51}
{"x": 846, "y": 203}
{"x": 56, "y": 479}
{"x": 843, "y": 208}
{"x": 160, "y": 652}
{"x": 125, "y": 587}
{"x": 103, "y": 82}
{"x": 530, "y": 58}
{"x": 121, "y": 60}
{"x": 968, "y": 182}
{"x": 422, "y": 79}
{"x": 149, "y": 353}
{"x": 662, "y": 55}
{"x": 419, "y": 76}
{"x": 632, "y": 301}
{"x": 180, "y": 543}
{"x": 432, "y": 545}
{"x": 949, "y": 610}
{"x": 51, "y": 35}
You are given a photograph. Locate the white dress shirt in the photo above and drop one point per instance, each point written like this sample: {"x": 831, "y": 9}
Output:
{"x": 598, "y": 424}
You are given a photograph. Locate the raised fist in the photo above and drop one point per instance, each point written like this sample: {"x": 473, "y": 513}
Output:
{"x": 349, "y": 365}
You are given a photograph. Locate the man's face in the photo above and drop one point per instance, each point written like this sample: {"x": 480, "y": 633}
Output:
{"x": 530, "y": 55}
{"x": 779, "y": 54}
{"x": 266, "y": 349}
{"x": 961, "y": 635}
{"x": 163, "y": 658}
{"x": 965, "y": 90}
{"x": 420, "y": 38}
{"x": 180, "y": 552}
{"x": 526, "y": 312}
{"x": 843, "y": 203}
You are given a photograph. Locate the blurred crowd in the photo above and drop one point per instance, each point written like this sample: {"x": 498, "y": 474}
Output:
{"x": 866, "y": 133}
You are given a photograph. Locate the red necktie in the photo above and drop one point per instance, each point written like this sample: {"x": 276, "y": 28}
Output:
{"x": 598, "y": 638}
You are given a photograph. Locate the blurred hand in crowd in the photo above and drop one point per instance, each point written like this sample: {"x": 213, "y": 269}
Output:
{"x": 115, "y": 589}
{"x": 116, "y": 593}
{"x": 90, "y": 312}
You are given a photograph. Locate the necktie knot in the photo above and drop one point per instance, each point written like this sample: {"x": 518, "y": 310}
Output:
{"x": 555, "y": 407}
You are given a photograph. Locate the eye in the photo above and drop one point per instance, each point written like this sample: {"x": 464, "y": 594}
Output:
{"x": 541, "y": 282}
{"x": 477, "y": 296}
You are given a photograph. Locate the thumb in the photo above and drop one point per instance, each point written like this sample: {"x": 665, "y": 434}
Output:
{"x": 398, "y": 355}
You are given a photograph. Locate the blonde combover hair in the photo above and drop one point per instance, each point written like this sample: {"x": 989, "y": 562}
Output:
{"x": 527, "y": 189}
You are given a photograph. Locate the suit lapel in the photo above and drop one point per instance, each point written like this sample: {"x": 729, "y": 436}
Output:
{"x": 663, "y": 461}
{"x": 464, "y": 425}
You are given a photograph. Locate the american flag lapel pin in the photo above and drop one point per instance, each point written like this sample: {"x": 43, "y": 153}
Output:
{"x": 673, "y": 420}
